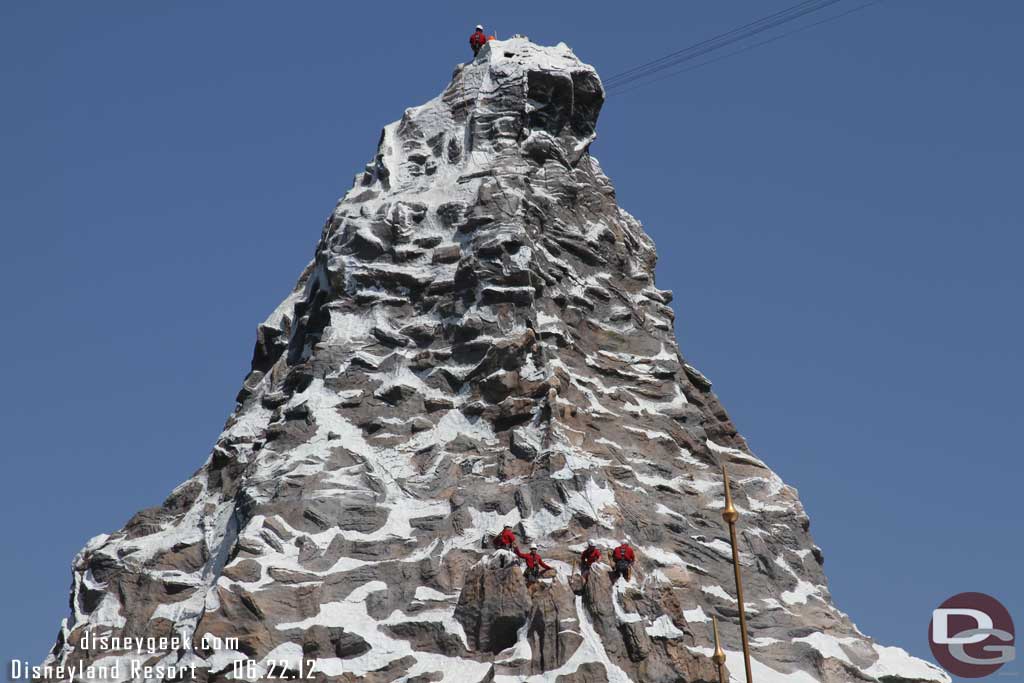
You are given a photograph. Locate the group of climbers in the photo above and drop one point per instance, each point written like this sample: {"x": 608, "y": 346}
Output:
{"x": 478, "y": 39}
{"x": 622, "y": 557}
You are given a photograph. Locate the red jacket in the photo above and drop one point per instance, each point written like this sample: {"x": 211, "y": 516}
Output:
{"x": 624, "y": 552}
{"x": 506, "y": 539}
{"x": 589, "y": 557}
{"x": 477, "y": 40}
{"x": 532, "y": 559}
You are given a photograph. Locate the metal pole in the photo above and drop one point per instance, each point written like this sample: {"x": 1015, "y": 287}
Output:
{"x": 730, "y": 515}
{"x": 719, "y": 657}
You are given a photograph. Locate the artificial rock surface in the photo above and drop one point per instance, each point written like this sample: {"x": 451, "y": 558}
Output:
{"x": 478, "y": 341}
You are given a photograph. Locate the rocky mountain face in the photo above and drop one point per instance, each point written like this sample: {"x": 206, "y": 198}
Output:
{"x": 477, "y": 342}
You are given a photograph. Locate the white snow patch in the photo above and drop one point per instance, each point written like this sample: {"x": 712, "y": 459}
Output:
{"x": 895, "y": 661}
{"x": 828, "y": 645}
{"x": 426, "y": 594}
{"x": 719, "y": 546}
{"x": 800, "y": 594}
{"x": 664, "y": 628}
{"x": 621, "y": 615}
{"x": 803, "y": 589}
{"x": 664, "y": 510}
{"x": 695, "y": 615}
{"x": 735, "y": 454}
{"x": 718, "y": 592}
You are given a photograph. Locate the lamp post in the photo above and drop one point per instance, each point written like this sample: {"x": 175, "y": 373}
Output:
{"x": 719, "y": 657}
{"x": 730, "y": 515}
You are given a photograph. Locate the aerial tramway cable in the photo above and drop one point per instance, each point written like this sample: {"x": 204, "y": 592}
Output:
{"x": 717, "y": 42}
{"x": 628, "y": 87}
{"x": 759, "y": 24}
{"x": 641, "y": 75}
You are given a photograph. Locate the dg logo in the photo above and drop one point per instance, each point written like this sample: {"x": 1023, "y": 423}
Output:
{"x": 971, "y": 635}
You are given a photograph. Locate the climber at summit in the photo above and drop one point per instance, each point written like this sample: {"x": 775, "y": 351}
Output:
{"x": 588, "y": 557}
{"x": 623, "y": 558}
{"x": 477, "y": 40}
{"x": 534, "y": 564}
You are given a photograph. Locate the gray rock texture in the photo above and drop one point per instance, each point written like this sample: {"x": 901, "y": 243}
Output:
{"x": 478, "y": 341}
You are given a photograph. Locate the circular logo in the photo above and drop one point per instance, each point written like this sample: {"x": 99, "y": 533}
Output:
{"x": 971, "y": 635}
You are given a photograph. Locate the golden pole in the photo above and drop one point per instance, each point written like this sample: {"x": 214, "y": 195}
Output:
{"x": 719, "y": 657}
{"x": 730, "y": 515}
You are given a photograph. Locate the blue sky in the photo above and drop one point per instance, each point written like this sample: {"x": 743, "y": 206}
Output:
{"x": 839, "y": 214}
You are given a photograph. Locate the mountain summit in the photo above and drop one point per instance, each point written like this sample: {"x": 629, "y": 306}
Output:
{"x": 477, "y": 342}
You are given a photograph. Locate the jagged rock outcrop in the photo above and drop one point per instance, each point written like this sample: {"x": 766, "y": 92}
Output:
{"x": 478, "y": 341}
{"x": 493, "y": 606}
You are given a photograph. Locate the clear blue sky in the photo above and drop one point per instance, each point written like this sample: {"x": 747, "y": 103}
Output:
{"x": 839, "y": 214}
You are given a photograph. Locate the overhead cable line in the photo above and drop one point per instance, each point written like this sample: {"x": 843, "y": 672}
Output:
{"x": 752, "y": 25}
{"x": 643, "y": 71}
{"x": 627, "y": 87}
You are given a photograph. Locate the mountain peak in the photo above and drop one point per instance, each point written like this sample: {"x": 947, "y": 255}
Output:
{"x": 477, "y": 342}
{"x": 512, "y": 86}
{"x": 519, "y": 53}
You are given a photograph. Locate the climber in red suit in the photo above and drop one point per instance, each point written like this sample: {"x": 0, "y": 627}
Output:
{"x": 534, "y": 564}
{"x": 589, "y": 556}
{"x": 623, "y": 558}
{"x": 478, "y": 39}
{"x": 506, "y": 540}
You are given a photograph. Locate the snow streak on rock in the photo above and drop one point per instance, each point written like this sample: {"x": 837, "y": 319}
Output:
{"x": 478, "y": 341}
